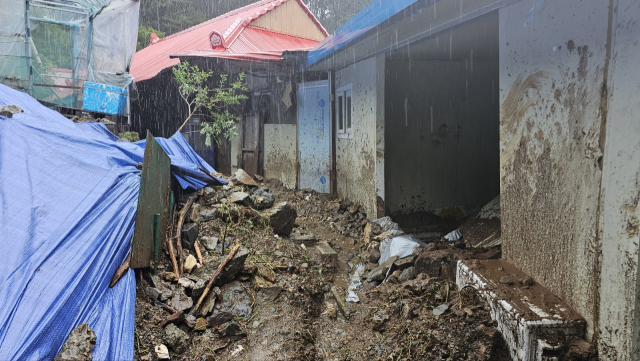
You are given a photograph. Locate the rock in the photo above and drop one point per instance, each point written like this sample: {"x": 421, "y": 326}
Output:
{"x": 240, "y": 177}
{"x": 9, "y": 110}
{"x": 190, "y": 263}
{"x": 258, "y": 178}
{"x": 186, "y": 283}
{"x": 181, "y": 302}
{"x": 201, "y": 324}
{"x": 404, "y": 263}
{"x": 189, "y": 235}
{"x": 210, "y": 243}
{"x": 198, "y": 288}
{"x": 374, "y": 254}
{"x": 209, "y": 302}
{"x": 194, "y": 213}
{"x": 235, "y": 300}
{"x": 240, "y": 198}
{"x": 419, "y": 284}
{"x": 306, "y": 239}
{"x": 208, "y": 214}
{"x": 176, "y": 339}
{"x": 233, "y": 268}
{"x": 406, "y": 275}
{"x": 262, "y": 199}
{"x": 219, "y": 319}
{"x": 209, "y": 194}
{"x": 327, "y": 255}
{"x": 266, "y": 273}
{"x": 153, "y": 293}
{"x": 378, "y": 320}
{"x": 162, "y": 352}
{"x": 282, "y": 217}
{"x": 331, "y": 310}
{"x": 79, "y": 346}
{"x": 505, "y": 280}
{"x": 380, "y": 272}
{"x": 268, "y": 294}
{"x": 528, "y": 281}
{"x": 155, "y": 281}
{"x": 230, "y": 329}
{"x": 341, "y": 301}
{"x": 440, "y": 309}
{"x": 170, "y": 276}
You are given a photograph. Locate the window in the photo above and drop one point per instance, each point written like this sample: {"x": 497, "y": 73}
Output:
{"x": 343, "y": 111}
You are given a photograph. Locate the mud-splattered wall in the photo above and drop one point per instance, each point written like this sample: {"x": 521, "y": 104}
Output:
{"x": 280, "y": 153}
{"x": 356, "y": 154}
{"x": 441, "y": 137}
{"x": 552, "y": 74}
{"x": 619, "y": 311}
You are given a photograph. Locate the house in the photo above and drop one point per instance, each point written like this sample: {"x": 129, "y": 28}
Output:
{"x": 252, "y": 40}
{"x": 439, "y": 106}
{"x": 71, "y": 54}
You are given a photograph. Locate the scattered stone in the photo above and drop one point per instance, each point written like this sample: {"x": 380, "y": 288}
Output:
{"x": 9, "y": 110}
{"x": 181, "y": 302}
{"x": 162, "y": 352}
{"x": 189, "y": 235}
{"x": 379, "y": 319}
{"x": 440, "y": 309}
{"x": 404, "y": 263}
{"x": 233, "y": 268}
{"x": 239, "y": 198}
{"x": 219, "y": 319}
{"x": 269, "y": 294}
{"x": 237, "y": 351}
{"x": 341, "y": 301}
{"x": 235, "y": 300}
{"x": 258, "y": 178}
{"x": 374, "y": 254}
{"x": 198, "y": 288}
{"x": 505, "y": 280}
{"x": 208, "y": 214}
{"x": 194, "y": 213}
{"x": 170, "y": 276}
{"x": 306, "y": 239}
{"x": 201, "y": 324}
{"x": 209, "y": 302}
{"x": 331, "y": 310}
{"x": 79, "y": 346}
{"x": 282, "y": 217}
{"x": 327, "y": 254}
{"x": 262, "y": 199}
{"x": 379, "y": 273}
{"x": 230, "y": 329}
{"x": 186, "y": 283}
{"x": 175, "y": 338}
{"x": 153, "y": 293}
{"x": 528, "y": 281}
{"x": 407, "y": 275}
{"x": 210, "y": 243}
{"x": 266, "y": 273}
{"x": 240, "y": 177}
{"x": 190, "y": 263}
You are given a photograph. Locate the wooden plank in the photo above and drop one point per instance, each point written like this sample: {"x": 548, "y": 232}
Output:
{"x": 153, "y": 199}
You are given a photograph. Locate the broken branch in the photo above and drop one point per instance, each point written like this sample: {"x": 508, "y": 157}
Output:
{"x": 122, "y": 269}
{"x": 213, "y": 279}
{"x": 183, "y": 213}
{"x": 198, "y": 253}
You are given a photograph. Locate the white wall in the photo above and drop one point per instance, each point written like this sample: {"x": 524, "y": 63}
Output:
{"x": 356, "y": 156}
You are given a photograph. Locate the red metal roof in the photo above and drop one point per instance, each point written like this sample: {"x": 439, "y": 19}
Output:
{"x": 241, "y": 41}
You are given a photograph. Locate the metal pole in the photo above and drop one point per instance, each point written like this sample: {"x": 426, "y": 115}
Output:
{"x": 156, "y": 236}
{"x": 28, "y": 48}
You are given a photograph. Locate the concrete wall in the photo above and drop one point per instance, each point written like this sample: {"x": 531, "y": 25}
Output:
{"x": 619, "y": 288}
{"x": 356, "y": 155}
{"x": 552, "y": 73}
{"x": 280, "y": 153}
{"x": 441, "y": 146}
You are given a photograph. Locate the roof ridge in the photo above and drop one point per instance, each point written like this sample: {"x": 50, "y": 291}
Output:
{"x": 223, "y": 16}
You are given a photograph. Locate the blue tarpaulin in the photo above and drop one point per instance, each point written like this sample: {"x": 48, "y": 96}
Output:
{"x": 368, "y": 18}
{"x": 68, "y": 198}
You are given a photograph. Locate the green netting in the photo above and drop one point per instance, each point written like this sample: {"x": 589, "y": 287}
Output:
{"x": 49, "y": 48}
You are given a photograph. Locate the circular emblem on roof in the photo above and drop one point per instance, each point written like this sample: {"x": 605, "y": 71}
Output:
{"x": 216, "y": 40}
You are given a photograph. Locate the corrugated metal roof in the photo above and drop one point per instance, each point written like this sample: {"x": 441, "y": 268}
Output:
{"x": 238, "y": 38}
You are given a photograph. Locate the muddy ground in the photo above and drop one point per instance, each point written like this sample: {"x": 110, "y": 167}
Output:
{"x": 309, "y": 319}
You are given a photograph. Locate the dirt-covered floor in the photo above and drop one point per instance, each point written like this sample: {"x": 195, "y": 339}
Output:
{"x": 288, "y": 300}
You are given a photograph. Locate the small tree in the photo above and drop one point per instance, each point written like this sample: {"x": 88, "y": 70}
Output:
{"x": 192, "y": 85}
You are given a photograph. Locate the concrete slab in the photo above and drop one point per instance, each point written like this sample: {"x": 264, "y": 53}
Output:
{"x": 536, "y": 325}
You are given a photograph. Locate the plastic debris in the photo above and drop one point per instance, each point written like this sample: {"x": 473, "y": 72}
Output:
{"x": 454, "y": 236}
{"x": 401, "y": 246}
{"x": 352, "y": 296}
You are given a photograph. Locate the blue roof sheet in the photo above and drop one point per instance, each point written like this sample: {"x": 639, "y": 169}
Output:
{"x": 372, "y": 15}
